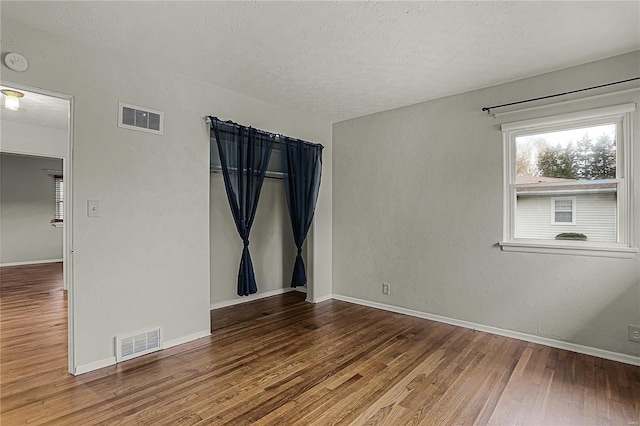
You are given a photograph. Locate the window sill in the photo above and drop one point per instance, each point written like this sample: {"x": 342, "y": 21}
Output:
{"x": 570, "y": 248}
{"x": 58, "y": 224}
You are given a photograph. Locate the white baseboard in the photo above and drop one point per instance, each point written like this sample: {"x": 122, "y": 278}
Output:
{"x": 180, "y": 340}
{"x": 322, "y": 298}
{"x": 587, "y": 350}
{"x": 256, "y": 296}
{"x": 30, "y": 262}
{"x": 81, "y": 369}
{"x": 107, "y": 362}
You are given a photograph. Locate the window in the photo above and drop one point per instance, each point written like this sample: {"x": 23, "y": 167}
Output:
{"x": 563, "y": 211}
{"x": 576, "y": 164}
{"x": 58, "y": 208}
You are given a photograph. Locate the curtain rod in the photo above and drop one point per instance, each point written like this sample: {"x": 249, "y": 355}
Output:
{"x": 488, "y": 109}
{"x": 209, "y": 119}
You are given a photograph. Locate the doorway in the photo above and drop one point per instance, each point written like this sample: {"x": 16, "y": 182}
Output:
{"x": 41, "y": 127}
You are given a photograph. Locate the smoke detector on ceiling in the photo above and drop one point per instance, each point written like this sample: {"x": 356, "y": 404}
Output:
{"x": 16, "y": 62}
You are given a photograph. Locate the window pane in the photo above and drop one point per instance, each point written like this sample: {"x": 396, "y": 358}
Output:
{"x": 586, "y": 153}
{"x": 596, "y": 214}
{"x": 578, "y": 163}
{"x": 59, "y": 199}
{"x": 563, "y": 217}
{"x": 564, "y": 205}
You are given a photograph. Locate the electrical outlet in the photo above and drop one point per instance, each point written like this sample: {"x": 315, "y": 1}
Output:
{"x": 386, "y": 288}
{"x": 634, "y": 333}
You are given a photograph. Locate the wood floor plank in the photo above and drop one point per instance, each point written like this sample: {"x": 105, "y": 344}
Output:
{"x": 282, "y": 361}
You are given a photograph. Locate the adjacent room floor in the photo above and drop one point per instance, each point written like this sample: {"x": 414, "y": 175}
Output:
{"x": 282, "y": 361}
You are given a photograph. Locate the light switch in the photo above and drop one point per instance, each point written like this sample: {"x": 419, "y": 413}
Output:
{"x": 93, "y": 208}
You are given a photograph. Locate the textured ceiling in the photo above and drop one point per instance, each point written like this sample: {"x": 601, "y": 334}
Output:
{"x": 39, "y": 110}
{"x": 341, "y": 60}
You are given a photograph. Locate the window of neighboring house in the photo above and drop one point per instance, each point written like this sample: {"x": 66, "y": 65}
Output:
{"x": 578, "y": 158}
{"x": 58, "y": 215}
{"x": 563, "y": 211}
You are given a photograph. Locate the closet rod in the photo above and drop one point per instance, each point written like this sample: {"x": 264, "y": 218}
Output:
{"x": 268, "y": 174}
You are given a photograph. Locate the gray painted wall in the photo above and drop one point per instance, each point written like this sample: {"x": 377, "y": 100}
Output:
{"x": 26, "y": 210}
{"x": 417, "y": 197}
{"x": 272, "y": 247}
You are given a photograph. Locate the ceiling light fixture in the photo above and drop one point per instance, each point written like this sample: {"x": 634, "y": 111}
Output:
{"x": 11, "y": 100}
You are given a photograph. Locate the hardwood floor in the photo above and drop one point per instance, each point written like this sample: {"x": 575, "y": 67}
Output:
{"x": 281, "y": 361}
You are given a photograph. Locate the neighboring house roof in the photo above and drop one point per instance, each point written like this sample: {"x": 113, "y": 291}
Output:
{"x": 572, "y": 185}
{"x": 541, "y": 179}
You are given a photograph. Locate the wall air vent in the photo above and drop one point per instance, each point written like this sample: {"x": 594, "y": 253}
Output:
{"x": 140, "y": 118}
{"x": 132, "y": 345}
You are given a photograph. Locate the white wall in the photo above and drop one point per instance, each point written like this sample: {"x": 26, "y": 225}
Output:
{"x": 417, "y": 203}
{"x": 319, "y": 243}
{"x": 27, "y": 208}
{"x": 145, "y": 260}
{"x": 34, "y": 140}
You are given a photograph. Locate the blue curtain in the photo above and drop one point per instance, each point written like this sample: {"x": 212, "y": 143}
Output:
{"x": 302, "y": 169}
{"x": 244, "y": 156}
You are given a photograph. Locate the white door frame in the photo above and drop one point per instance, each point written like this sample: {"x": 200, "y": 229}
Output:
{"x": 67, "y": 242}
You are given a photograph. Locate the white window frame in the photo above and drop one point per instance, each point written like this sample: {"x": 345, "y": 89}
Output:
{"x": 573, "y": 210}
{"x": 622, "y": 115}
